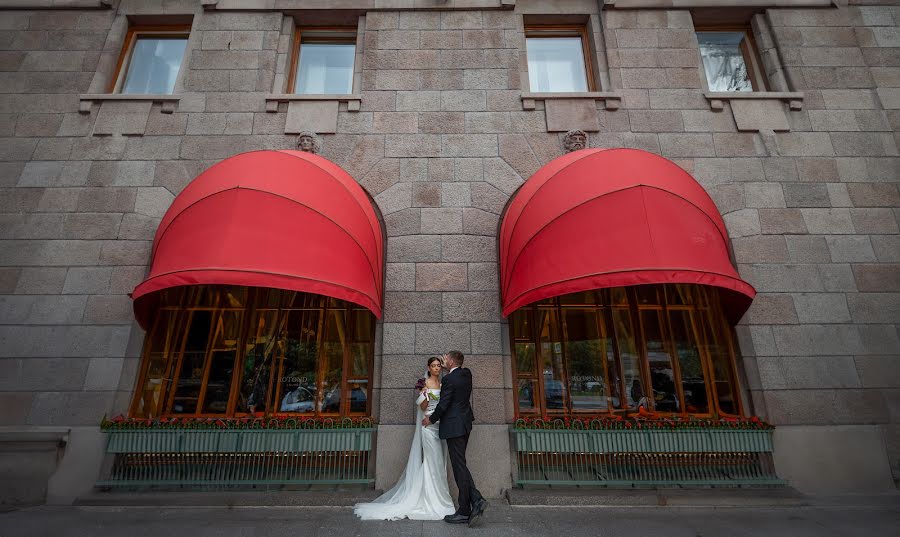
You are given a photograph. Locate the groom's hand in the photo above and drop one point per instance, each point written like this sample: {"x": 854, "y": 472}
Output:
{"x": 426, "y": 422}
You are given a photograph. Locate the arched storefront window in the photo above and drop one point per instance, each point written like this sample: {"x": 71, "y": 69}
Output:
{"x": 235, "y": 351}
{"x": 667, "y": 348}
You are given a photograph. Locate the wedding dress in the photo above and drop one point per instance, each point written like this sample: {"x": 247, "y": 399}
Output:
{"x": 422, "y": 492}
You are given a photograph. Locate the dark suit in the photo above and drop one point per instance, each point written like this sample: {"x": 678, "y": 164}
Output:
{"x": 454, "y": 416}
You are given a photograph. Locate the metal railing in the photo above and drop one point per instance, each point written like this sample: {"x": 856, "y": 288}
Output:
{"x": 233, "y": 458}
{"x": 648, "y": 457}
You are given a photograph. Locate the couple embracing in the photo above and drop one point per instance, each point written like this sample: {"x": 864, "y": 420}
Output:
{"x": 443, "y": 412}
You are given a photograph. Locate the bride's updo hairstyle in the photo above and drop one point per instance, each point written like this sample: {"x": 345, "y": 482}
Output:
{"x": 431, "y": 361}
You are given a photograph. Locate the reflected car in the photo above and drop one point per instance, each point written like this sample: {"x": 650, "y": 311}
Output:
{"x": 553, "y": 393}
{"x": 299, "y": 399}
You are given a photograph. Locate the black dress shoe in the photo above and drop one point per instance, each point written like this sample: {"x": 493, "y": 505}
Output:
{"x": 477, "y": 511}
{"x": 456, "y": 518}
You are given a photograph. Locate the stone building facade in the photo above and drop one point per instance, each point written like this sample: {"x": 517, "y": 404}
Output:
{"x": 441, "y": 128}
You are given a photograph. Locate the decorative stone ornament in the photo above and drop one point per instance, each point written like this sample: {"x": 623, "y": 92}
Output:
{"x": 309, "y": 142}
{"x": 575, "y": 140}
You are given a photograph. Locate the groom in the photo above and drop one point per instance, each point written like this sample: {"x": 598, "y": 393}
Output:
{"x": 455, "y": 416}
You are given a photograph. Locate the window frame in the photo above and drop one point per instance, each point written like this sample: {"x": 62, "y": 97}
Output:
{"x": 705, "y": 302}
{"x": 749, "y": 50}
{"x": 351, "y": 38}
{"x": 125, "y": 55}
{"x": 536, "y": 31}
{"x": 177, "y": 335}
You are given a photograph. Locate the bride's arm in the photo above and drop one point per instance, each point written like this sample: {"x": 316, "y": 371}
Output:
{"x": 422, "y": 401}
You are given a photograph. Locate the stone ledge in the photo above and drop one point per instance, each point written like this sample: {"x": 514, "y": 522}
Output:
{"x": 716, "y": 98}
{"x": 400, "y": 5}
{"x": 169, "y": 102}
{"x": 353, "y": 100}
{"x": 55, "y": 4}
{"x": 34, "y": 434}
{"x": 724, "y": 4}
{"x": 612, "y": 100}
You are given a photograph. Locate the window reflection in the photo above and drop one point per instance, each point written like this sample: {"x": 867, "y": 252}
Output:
{"x": 556, "y": 64}
{"x": 325, "y": 68}
{"x": 725, "y": 61}
{"x": 645, "y": 346}
{"x": 233, "y": 351}
{"x": 154, "y": 65}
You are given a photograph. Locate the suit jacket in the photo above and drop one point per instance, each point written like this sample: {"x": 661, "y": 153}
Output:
{"x": 454, "y": 413}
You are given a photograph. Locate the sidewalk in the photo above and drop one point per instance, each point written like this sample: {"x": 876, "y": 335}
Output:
{"x": 819, "y": 517}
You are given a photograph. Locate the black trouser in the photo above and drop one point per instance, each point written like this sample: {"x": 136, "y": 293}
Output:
{"x": 464, "y": 482}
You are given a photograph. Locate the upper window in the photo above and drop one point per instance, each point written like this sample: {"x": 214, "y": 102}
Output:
{"x": 730, "y": 60}
{"x": 239, "y": 351}
{"x": 323, "y": 61}
{"x": 666, "y": 348}
{"x": 558, "y": 59}
{"x": 150, "y": 60}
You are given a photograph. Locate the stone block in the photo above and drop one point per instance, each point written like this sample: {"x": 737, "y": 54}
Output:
{"x": 802, "y": 372}
{"x": 395, "y": 122}
{"x": 807, "y": 249}
{"x": 87, "y": 280}
{"x": 824, "y": 340}
{"x": 874, "y": 194}
{"x": 850, "y": 249}
{"x": 821, "y": 308}
{"x": 878, "y": 371}
{"x": 743, "y": 223}
{"x": 442, "y": 122}
{"x": 413, "y": 145}
{"x": 421, "y": 101}
{"x": 402, "y": 306}
{"x": 441, "y": 220}
{"x": 469, "y": 145}
{"x": 806, "y": 195}
{"x": 124, "y": 279}
{"x": 399, "y": 338}
{"x": 874, "y": 221}
{"x": 438, "y": 338}
{"x": 487, "y": 339}
{"x": 395, "y": 198}
{"x": 455, "y": 195}
{"x": 879, "y": 339}
{"x": 483, "y": 277}
{"x": 468, "y": 248}
{"x": 463, "y": 101}
{"x": 471, "y": 306}
{"x": 441, "y": 277}
{"x": 426, "y": 195}
{"x": 568, "y": 114}
{"x": 874, "y": 307}
{"x": 758, "y": 115}
{"x": 854, "y": 454}
{"x": 878, "y": 278}
{"x": 400, "y": 277}
{"x": 772, "y": 308}
{"x": 828, "y": 221}
{"x": 760, "y": 249}
{"x": 656, "y": 120}
{"x": 414, "y": 249}
{"x": 69, "y": 408}
{"x": 125, "y": 252}
{"x": 414, "y": 169}
{"x": 783, "y": 277}
{"x": 488, "y": 198}
{"x": 39, "y": 280}
{"x": 382, "y": 176}
{"x": 478, "y": 222}
{"x": 887, "y": 248}
{"x": 314, "y": 116}
{"x": 764, "y": 195}
{"x": 54, "y": 173}
{"x": 687, "y": 145}
{"x": 487, "y": 122}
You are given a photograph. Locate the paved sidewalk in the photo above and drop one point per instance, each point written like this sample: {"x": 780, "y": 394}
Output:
{"x": 877, "y": 520}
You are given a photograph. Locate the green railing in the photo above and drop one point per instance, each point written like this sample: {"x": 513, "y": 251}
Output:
{"x": 647, "y": 457}
{"x": 234, "y": 458}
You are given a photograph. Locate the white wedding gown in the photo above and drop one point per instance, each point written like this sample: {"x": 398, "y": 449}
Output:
{"x": 422, "y": 492}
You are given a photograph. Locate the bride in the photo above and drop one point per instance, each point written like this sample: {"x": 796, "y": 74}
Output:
{"x": 422, "y": 492}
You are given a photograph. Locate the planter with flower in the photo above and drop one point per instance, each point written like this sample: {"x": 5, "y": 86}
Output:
{"x": 644, "y": 449}
{"x": 238, "y": 451}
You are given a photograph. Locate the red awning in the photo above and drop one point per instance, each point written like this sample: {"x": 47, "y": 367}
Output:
{"x": 598, "y": 218}
{"x": 281, "y": 219}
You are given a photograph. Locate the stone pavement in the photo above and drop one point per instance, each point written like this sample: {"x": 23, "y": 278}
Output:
{"x": 876, "y": 519}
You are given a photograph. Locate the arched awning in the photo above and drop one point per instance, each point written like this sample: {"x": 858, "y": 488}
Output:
{"x": 281, "y": 219}
{"x": 598, "y": 218}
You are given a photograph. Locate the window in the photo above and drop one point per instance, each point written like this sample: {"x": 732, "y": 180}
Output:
{"x": 237, "y": 351}
{"x": 323, "y": 61}
{"x": 150, "y": 60}
{"x": 558, "y": 59}
{"x": 730, "y": 61}
{"x": 664, "y": 347}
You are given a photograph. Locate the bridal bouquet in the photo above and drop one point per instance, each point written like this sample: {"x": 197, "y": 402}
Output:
{"x": 420, "y": 385}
